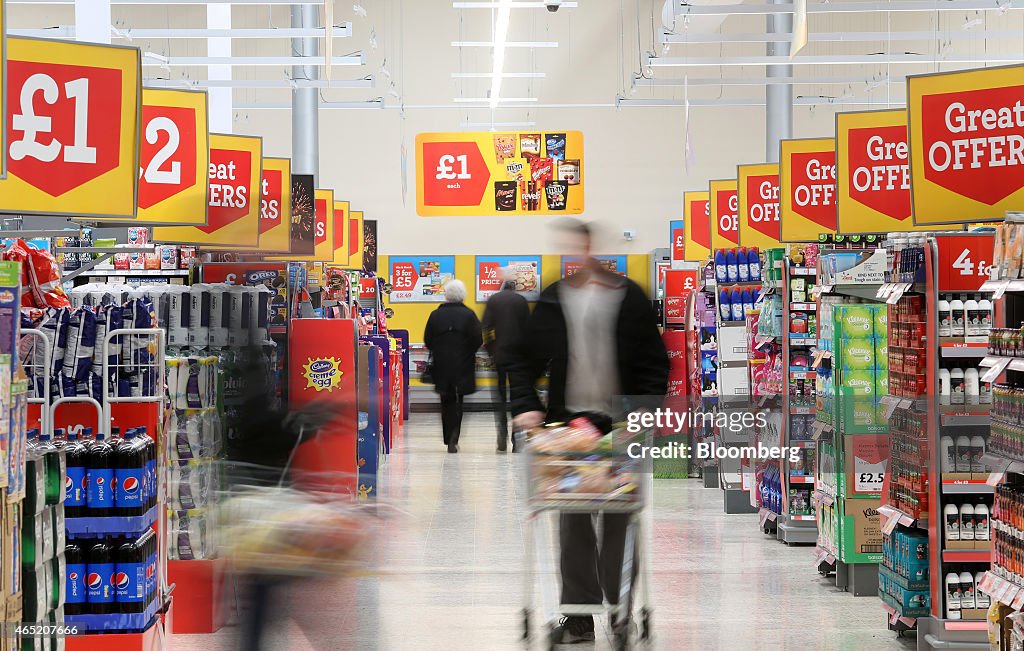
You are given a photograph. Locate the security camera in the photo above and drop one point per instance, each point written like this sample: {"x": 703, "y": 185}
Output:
{"x": 553, "y": 5}
{"x": 628, "y": 234}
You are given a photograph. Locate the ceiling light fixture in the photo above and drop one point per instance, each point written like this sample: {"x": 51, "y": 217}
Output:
{"x": 500, "y": 36}
{"x": 506, "y": 75}
{"x": 492, "y": 100}
{"x": 529, "y": 44}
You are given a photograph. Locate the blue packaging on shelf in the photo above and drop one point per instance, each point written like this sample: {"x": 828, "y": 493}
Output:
{"x": 79, "y": 527}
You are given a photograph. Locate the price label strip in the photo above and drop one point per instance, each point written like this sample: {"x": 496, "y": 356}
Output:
{"x": 868, "y": 477}
{"x": 996, "y": 369}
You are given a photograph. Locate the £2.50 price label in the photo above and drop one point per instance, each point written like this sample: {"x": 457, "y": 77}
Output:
{"x": 965, "y": 261}
{"x": 72, "y": 129}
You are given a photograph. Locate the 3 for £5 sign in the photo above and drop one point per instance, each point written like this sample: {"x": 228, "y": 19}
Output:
{"x": 966, "y": 144}
{"x": 807, "y": 189}
{"x": 72, "y": 129}
{"x": 872, "y": 172}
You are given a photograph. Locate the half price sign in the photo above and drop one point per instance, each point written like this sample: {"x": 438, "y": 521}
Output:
{"x": 966, "y": 144}
{"x": 807, "y": 189}
{"x": 724, "y": 215}
{"x": 964, "y": 261}
{"x": 72, "y": 129}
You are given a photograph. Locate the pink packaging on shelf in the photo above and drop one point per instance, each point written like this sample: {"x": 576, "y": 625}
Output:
{"x": 168, "y": 256}
{"x": 138, "y": 236}
{"x": 187, "y": 257}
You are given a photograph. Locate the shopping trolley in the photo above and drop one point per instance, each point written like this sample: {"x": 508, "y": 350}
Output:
{"x": 576, "y": 470}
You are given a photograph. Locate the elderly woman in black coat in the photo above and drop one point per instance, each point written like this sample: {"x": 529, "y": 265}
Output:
{"x": 453, "y": 335}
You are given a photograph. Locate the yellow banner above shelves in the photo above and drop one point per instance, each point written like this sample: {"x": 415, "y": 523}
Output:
{"x": 174, "y": 154}
{"x": 724, "y": 204}
{"x": 275, "y": 205}
{"x": 355, "y": 239}
{"x": 872, "y": 172}
{"x": 966, "y": 145}
{"x": 73, "y": 133}
{"x": 807, "y": 188}
{"x": 758, "y": 194}
{"x": 697, "y": 226}
{"x": 341, "y": 233}
{"x": 235, "y": 172}
{"x": 323, "y": 230}
{"x": 482, "y": 174}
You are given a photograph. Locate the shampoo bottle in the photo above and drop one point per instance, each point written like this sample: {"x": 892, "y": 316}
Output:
{"x": 966, "y": 522}
{"x": 952, "y": 517}
{"x": 972, "y": 387}
{"x": 945, "y": 317}
{"x": 966, "y": 591}
{"x": 972, "y": 323}
{"x": 952, "y": 596}
{"x": 982, "y": 530}
{"x": 959, "y": 319}
{"x": 948, "y": 454}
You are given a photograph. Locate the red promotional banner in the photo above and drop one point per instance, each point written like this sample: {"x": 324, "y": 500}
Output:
{"x": 724, "y": 214}
{"x": 872, "y": 172}
{"x": 72, "y": 131}
{"x": 967, "y": 144}
{"x": 697, "y": 225}
{"x": 680, "y": 281}
{"x": 807, "y": 189}
{"x": 758, "y": 187}
{"x": 677, "y": 233}
{"x": 964, "y": 261}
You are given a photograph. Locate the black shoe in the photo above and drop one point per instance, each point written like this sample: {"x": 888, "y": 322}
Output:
{"x": 452, "y": 448}
{"x": 573, "y": 630}
{"x": 502, "y": 444}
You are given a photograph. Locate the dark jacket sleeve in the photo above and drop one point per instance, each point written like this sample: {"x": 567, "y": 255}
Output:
{"x": 428, "y": 331}
{"x": 488, "y": 328}
{"x": 532, "y": 353}
{"x": 644, "y": 349}
{"x": 473, "y": 331}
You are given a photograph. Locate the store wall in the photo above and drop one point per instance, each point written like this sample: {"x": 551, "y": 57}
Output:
{"x": 413, "y": 316}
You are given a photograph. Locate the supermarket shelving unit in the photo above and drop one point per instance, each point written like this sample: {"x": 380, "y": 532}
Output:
{"x": 798, "y": 528}
{"x": 707, "y": 336}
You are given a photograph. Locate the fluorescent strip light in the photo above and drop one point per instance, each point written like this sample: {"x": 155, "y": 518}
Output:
{"x": 492, "y": 100}
{"x": 686, "y": 9}
{"x": 530, "y": 44}
{"x": 286, "y": 106}
{"x": 831, "y": 60}
{"x": 511, "y": 5}
{"x": 762, "y": 81}
{"x": 496, "y": 125}
{"x": 834, "y": 37}
{"x": 259, "y": 83}
{"x": 68, "y": 31}
{"x": 151, "y": 59}
{"x": 504, "y": 75}
{"x": 172, "y": 3}
{"x": 500, "y": 35}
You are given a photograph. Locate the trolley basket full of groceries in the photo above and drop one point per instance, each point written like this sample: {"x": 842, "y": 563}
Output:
{"x": 577, "y": 468}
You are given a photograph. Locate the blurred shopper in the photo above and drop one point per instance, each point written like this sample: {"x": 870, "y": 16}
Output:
{"x": 505, "y": 320}
{"x": 597, "y": 335}
{"x": 453, "y": 336}
{"x": 258, "y": 453}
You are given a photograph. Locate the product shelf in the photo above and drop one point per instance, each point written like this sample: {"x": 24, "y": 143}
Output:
{"x": 966, "y": 555}
{"x": 999, "y": 463}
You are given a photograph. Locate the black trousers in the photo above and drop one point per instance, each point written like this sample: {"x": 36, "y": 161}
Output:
{"x": 590, "y": 570}
{"x": 451, "y": 417}
{"x": 501, "y": 407}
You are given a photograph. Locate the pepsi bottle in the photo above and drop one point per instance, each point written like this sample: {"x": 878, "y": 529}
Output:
{"x": 149, "y": 446}
{"x": 99, "y": 480}
{"x": 130, "y": 576}
{"x": 75, "y": 599}
{"x": 129, "y": 476}
{"x": 75, "y": 483}
{"x": 99, "y": 579}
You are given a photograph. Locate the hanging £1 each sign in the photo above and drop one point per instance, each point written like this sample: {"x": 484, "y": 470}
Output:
{"x": 72, "y": 129}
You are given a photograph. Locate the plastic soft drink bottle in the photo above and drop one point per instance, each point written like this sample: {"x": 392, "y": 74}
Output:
{"x": 53, "y": 461}
{"x": 99, "y": 474}
{"x": 130, "y": 476}
{"x": 130, "y": 576}
{"x": 148, "y": 446}
{"x": 75, "y": 598}
{"x": 99, "y": 579}
{"x": 75, "y": 484}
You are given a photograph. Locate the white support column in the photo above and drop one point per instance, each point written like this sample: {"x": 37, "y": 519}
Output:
{"x": 218, "y": 16}
{"x": 305, "y": 101}
{"x": 92, "y": 21}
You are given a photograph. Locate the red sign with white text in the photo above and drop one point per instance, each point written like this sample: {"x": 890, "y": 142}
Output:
{"x": 272, "y": 189}
{"x": 760, "y": 203}
{"x": 879, "y": 173}
{"x": 461, "y": 185}
{"x": 807, "y": 189}
{"x": 967, "y": 144}
{"x": 167, "y": 167}
{"x": 697, "y": 222}
{"x": 964, "y": 261}
{"x": 680, "y": 281}
{"x": 72, "y": 129}
{"x": 230, "y": 194}
{"x": 488, "y": 277}
{"x": 724, "y": 214}
{"x": 678, "y": 243}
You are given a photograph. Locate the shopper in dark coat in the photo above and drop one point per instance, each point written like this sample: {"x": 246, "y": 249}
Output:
{"x": 453, "y": 336}
{"x": 505, "y": 320}
{"x": 596, "y": 335}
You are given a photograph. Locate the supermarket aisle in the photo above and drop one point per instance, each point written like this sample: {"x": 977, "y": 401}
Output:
{"x": 450, "y": 569}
